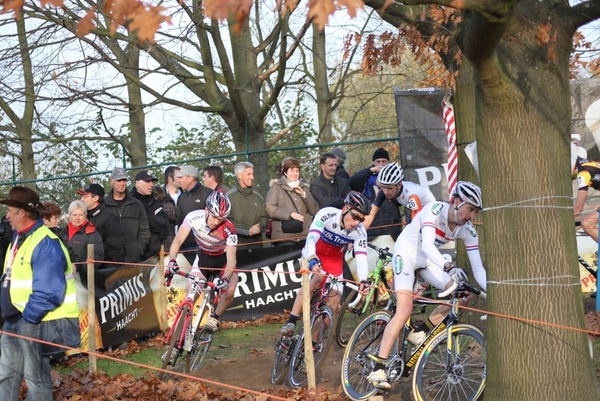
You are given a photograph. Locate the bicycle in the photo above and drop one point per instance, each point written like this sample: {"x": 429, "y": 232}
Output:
{"x": 291, "y": 346}
{"x": 187, "y": 333}
{"x": 355, "y": 307}
{"x": 289, "y": 349}
{"x": 448, "y": 365}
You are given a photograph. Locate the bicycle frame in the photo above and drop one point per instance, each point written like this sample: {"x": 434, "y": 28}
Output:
{"x": 447, "y": 323}
{"x": 401, "y": 363}
{"x": 376, "y": 277}
{"x": 200, "y": 317}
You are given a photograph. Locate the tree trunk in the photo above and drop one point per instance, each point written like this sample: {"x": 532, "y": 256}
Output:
{"x": 465, "y": 100}
{"x": 25, "y": 124}
{"x": 137, "y": 115}
{"x": 523, "y": 116}
{"x": 322, "y": 92}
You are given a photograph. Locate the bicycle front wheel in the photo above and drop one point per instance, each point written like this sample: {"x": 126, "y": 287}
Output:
{"x": 283, "y": 352}
{"x": 451, "y": 370}
{"x": 201, "y": 345}
{"x": 322, "y": 335}
{"x": 169, "y": 358}
{"x": 350, "y": 317}
{"x": 356, "y": 365}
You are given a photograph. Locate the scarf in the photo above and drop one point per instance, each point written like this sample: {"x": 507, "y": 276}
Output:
{"x": 72, "y": 230}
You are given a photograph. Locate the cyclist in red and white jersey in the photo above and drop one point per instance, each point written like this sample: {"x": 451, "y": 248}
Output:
{"x": 217, "y": 241}
{"x": 331, "y": 230}
{"x": 417, "y": 248}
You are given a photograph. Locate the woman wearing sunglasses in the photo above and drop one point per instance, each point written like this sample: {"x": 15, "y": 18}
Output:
{"x": 331, "y": 230}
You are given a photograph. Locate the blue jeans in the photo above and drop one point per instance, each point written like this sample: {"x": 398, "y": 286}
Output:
{"x": 21, "y": 358}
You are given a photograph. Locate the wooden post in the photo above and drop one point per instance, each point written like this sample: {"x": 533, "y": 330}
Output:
{"x": 163, "y": 289}
{"x": 91, "y": 309}
{"x": 308, "y": 347}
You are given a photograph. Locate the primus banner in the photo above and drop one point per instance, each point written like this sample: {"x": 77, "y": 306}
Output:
{"x": 129, "y": 302}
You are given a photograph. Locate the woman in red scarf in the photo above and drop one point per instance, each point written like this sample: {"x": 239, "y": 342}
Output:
{"x": 79, "y": 233}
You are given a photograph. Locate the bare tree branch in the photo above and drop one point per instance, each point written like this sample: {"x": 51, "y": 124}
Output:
{"x": 283, "y": 132}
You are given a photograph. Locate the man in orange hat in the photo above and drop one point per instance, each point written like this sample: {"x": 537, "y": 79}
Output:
{"x": 38, "y": 289}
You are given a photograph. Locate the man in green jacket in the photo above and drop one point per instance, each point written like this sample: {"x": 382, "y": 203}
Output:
{"x": 247, "y": 208}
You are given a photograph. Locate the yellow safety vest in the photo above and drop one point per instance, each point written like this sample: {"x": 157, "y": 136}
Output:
{"x": 21, "y": 277}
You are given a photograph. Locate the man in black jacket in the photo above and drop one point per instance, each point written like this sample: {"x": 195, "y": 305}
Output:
{"x": 157, "y": 218}
{"x": 365, "y": 181}
{"x": 131, "y": 214}
{"x": 193, "y": 197}
{"x": 107, "y": 224}
{"x": 340, "y": 169}
{"x": 327, "y": 189}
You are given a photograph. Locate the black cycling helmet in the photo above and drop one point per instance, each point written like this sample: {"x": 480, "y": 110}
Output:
{"x": 359, "y": 202}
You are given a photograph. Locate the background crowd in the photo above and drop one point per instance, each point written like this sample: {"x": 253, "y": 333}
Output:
{"x": 129, "y": 223}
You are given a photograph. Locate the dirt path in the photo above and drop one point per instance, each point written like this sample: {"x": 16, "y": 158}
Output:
{"x": 254, "y": 373}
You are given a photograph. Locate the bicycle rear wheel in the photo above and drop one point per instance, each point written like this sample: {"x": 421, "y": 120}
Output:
{"x": 172, "y": 353}
{"x": 201, "y": 345}
{"x": 350, "y": 317}
{"x": 283, "y": 352}
{"x": 455, "y": 373}
{"x": 322, "y": 336}
{"x": 356, "y": 365}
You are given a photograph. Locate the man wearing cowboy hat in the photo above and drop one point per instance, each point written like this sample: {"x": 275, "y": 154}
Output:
{"x": 37, "y": 288}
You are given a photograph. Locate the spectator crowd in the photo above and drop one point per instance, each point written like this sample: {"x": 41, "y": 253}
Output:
{"x": 132, "y": 220}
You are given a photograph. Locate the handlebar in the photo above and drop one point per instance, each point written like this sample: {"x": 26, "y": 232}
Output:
{"x": 196, "y": 279}
{"x": 383, "y": 252}
{"x": 449, "y": 291}
{"x": 462, "y": 287}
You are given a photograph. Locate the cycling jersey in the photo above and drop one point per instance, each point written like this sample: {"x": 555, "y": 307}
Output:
{"x": 417, "y": 246}
{"x": 412, "y": 196}
{"x": 326, "y": 239}
{"x": 588, "y": 175}
{"x": 211, "y": 242}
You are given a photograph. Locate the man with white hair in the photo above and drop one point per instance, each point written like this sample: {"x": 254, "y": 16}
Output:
{"x": 248, "y": 213}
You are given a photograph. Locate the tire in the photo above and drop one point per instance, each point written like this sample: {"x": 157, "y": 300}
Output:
{"x": 348, "y": 320}
{"x": 356, "y": 365}
{"x": 174, "y": 339}
{"x": 463, "y": 381}
{"x": 323, "y": 326}
{"x": 283, "y": 353}
{"x": 202, "y": 341}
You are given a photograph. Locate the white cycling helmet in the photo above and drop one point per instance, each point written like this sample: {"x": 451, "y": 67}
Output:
{"x": 469, "y": 193}
{"x": 390, "y": 174}
{"x": 218, "y": 204}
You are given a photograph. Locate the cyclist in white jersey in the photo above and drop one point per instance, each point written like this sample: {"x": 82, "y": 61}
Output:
{"x": 401, "y": 193}
{"x": 217, "y": 241}
{"x": 331, "y": 230}
{"x": 417, "y": 247}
